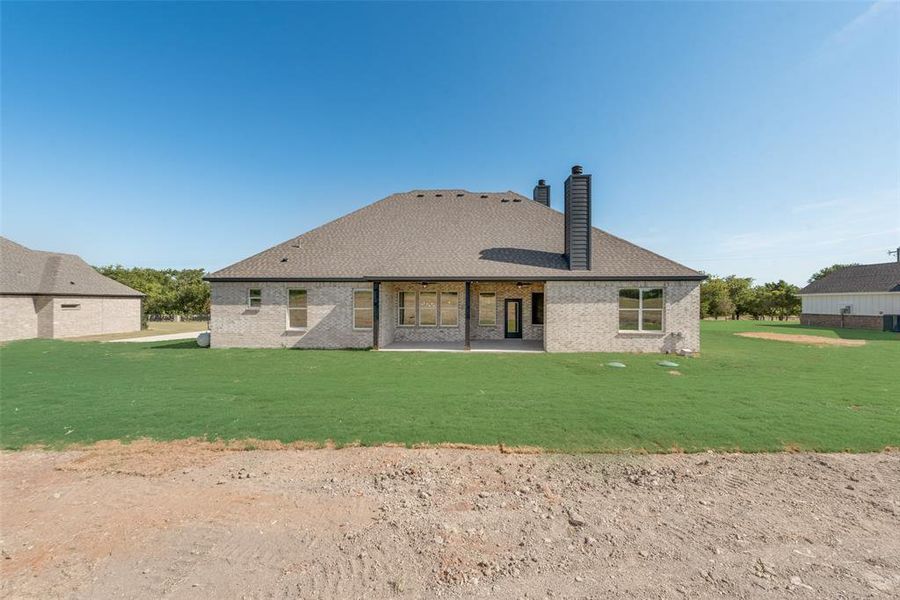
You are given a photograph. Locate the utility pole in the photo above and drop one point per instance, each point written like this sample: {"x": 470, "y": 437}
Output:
{"x": 895, "y": 253}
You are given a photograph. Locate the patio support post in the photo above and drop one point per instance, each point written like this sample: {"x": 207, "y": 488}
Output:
{"x": 468, "y": 345}
{"x": 376, "y": 309}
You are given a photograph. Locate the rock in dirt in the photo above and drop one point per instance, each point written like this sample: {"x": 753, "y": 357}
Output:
{"x": 575, "y": 520}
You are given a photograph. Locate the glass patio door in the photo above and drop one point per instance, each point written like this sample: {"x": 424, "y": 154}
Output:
{"x": 513, "y": 321}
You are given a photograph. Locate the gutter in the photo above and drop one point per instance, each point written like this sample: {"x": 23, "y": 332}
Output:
{"x": 471, "y": 278}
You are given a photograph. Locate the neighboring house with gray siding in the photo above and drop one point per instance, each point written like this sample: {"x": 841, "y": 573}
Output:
{"x": 52, "y": 295}
{"x": 459, "y": 269}
{"x": 860, "y": 296}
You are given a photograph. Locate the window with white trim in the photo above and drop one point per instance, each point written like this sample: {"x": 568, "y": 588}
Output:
{"x": 449, "y": 309}
{"x": 362, "y": 309}
{"x": 487, "y": 309}
{"x": 427, "y": 309}
{"x": 254, "y": 297}
{"x": 406, "y": 309}
{"x": 297, "y": 309}
{"x": 641, "y": 309}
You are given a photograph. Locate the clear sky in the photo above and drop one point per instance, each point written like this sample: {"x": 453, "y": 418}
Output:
{"x": 761, "y": 139}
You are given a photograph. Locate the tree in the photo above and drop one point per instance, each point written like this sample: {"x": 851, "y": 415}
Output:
{"x": 740, "y": 293}
{"x": 168, "y": 291}
{"x": 783, "y": 299}
{"x": 828, "y": 271}
{"x": 714, "y": 299}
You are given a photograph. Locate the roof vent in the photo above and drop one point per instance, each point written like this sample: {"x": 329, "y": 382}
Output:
{"x": 439, "y": 195}
{"x": 284, "y": 259}
{"x": 517, "y": 199}
{"x": 504, "y": 199}
{"x": 484, "y": 195}
{"x": 460, "y": 195}
{"x": 420, "y": 195}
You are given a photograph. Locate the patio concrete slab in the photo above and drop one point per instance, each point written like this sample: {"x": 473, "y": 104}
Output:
{"x": 477, "y": 346}
{"x": 187, "y": 335}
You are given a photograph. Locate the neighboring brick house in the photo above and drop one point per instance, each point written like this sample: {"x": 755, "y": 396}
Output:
{"x": 458, "y": 269}
{"x": 52, "y": 295}
{"x": 861, "y": 296}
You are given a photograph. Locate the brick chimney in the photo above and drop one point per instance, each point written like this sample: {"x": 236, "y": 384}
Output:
{"x": 578, "y": 220}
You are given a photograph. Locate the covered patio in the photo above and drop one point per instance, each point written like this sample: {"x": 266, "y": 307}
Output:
{"x": 513, "y": 345}
{"x": 457, "y": 316}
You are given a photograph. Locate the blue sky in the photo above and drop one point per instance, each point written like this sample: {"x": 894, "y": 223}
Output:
{"x": 760, "y": 139}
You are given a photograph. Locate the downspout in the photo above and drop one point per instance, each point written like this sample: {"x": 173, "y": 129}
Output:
{"x": 376, "y": 309}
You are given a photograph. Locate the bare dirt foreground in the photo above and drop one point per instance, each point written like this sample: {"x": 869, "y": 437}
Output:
{"x": 187, "y": 521}
{"x": 809, "y": 340}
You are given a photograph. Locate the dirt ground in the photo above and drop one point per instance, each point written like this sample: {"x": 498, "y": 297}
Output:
{"x": 813, "y": 340}
{"x": 189, "y": 521}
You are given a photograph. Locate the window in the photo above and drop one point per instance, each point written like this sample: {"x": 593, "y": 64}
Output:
{"x": 362, "y": 309}
{"x": 487, "y": 309}
{"x": 254, "y": 297}
{"x": 297, "y": 309}
{"x": 406, "y": 309}
{"x": 449, "y": 309}
{"x": 70, "y": 306}
{"x": 537, "y": 308}
{"x": 641, "y": 309}
{"x": 428, "y": 309}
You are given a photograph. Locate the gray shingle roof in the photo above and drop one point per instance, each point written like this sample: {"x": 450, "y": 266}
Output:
{"x": 26, "y": 271}
{"x": 448, "y": 234}
{"x": 883, "y": 277}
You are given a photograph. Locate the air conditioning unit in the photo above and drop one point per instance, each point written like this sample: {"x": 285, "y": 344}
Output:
{"x": 847, "y": 309}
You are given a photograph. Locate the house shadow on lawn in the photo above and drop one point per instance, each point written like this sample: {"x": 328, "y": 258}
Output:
{"x": 179, "y": 345}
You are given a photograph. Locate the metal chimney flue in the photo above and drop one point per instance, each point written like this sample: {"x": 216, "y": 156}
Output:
{"x": 542, "y": 192}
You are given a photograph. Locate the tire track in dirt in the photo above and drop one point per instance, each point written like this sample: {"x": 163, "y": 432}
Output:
{"x": 389, "y": 522}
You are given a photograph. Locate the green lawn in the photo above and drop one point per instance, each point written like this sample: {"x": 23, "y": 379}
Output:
{"x": 746, "y": 394}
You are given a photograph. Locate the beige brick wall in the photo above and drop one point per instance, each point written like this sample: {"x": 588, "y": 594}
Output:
{"x": 44, "y": 307}
{"x": 18, "y": 318}
{"x": 584, "y": 317}
{"x": 579, "y": 316}
{"x": 24, "y": 317}
{"x": 329, "y": 316}
{"x": 506, "y": 291}
{"x": 95, "y": 316}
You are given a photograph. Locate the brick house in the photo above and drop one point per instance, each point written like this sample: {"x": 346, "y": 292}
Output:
{"x": 52, "y": 295}
{"x": 453, "y": 269}
{"x": 861, "y": 296}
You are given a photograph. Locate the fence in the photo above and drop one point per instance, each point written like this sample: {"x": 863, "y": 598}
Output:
{"x": 177, "y": 318}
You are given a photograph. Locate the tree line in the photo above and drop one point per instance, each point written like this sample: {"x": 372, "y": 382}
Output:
{"x": 169, "y": 292}
{"x": 735, "y": 297}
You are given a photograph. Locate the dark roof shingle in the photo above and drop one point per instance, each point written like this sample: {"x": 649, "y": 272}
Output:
{"x": 883, "y": 277}
{"x": 449, "y": 234}
{"x": 33, "y": 272}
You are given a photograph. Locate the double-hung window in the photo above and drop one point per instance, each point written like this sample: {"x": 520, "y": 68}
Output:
{"x": 362, "y": 309}
{"x": 449, "y": 309}
{"x": 487, "y": 309}
{"x": 254, "y": 297}
{"x": 296, "y": 309}
{"x": 427, "y": 309}
{"x": 641, "y": 309}
{"x": 406, "y": 309}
